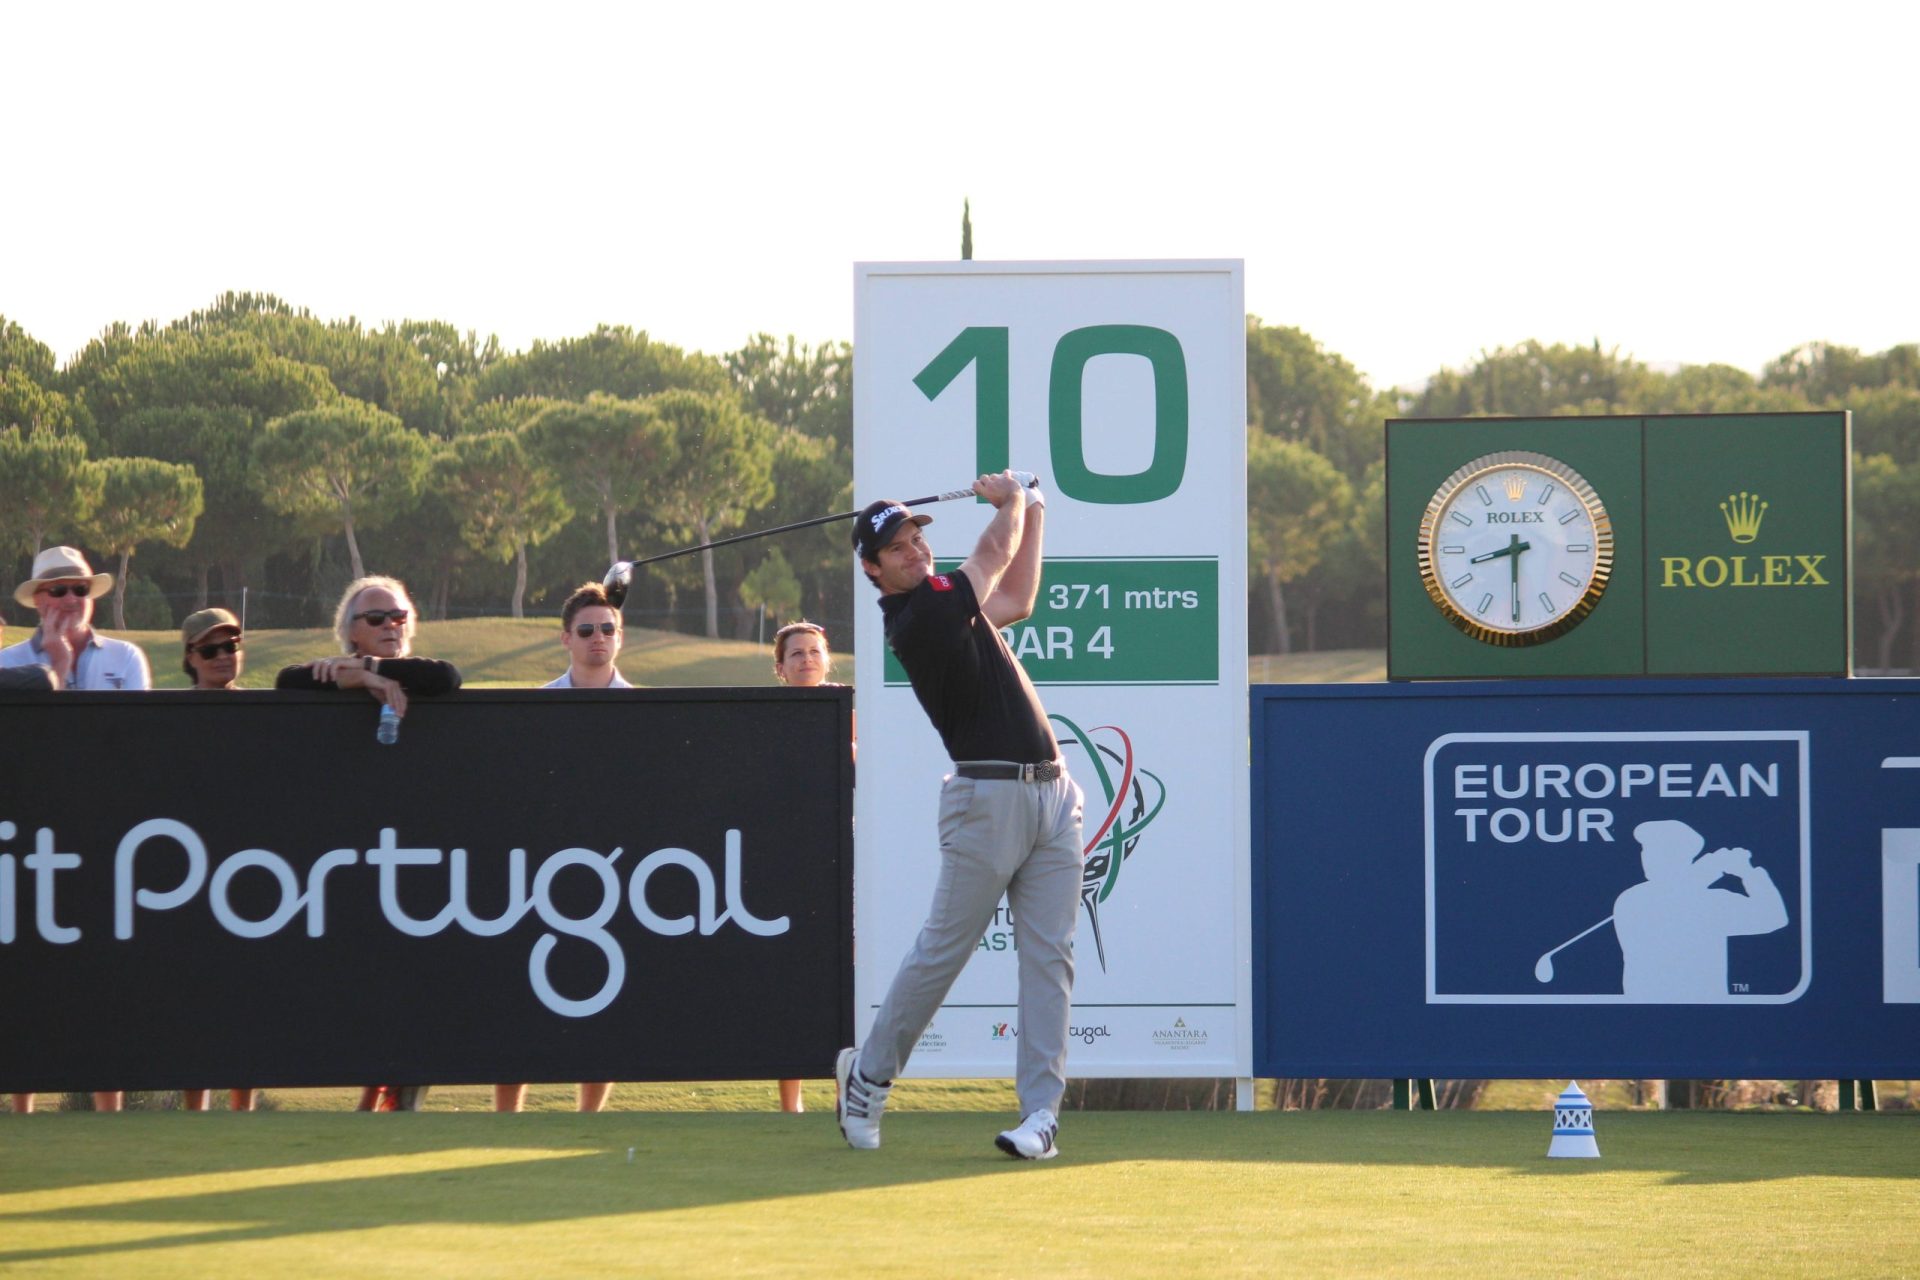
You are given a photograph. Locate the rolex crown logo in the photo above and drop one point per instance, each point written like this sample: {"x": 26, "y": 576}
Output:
{"x": 1516, "y": 486}
{"x": 1743, "y": 512}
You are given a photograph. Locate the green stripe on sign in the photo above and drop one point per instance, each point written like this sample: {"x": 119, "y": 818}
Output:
{"x": 1108, "y": 621}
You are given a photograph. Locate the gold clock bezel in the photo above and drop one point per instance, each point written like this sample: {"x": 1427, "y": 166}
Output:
{"x": 1576, "y": 484}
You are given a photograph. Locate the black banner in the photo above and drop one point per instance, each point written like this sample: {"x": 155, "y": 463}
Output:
{"x": 247, "y": 889}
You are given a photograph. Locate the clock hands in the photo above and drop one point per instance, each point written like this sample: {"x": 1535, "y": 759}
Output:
{"x": 1518, "y": 547}
{"x": 1513, "y": 548}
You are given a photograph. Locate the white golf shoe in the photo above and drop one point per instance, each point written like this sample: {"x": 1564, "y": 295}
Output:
{"x": 859, "y": 1102}
{"x": 1034, "y": 1139}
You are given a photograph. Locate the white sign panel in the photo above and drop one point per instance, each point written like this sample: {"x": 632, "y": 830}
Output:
{"x": 1122, "y": 386}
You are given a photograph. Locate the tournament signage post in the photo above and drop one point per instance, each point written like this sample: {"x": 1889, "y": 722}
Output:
{"x": 1122, "y": 387}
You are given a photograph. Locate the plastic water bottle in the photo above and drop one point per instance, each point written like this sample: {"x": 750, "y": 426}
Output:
{"x": 388, "y": 731}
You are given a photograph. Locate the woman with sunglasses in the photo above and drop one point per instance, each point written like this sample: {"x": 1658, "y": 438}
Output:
{"x": 213, "y": 658}
{"x": 801, "y": 660}
{"x": 374, "y": 622}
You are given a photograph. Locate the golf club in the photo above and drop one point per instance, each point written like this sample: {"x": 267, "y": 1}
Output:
{"x": 620, "y": 576}
{"x": 1543, "y": 967}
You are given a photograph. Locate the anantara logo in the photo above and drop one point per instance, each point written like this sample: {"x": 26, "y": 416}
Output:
{"x": 1743, "y": 513}
{"x": 1180, "y": 1036}
{"x": 1134, "y": 797}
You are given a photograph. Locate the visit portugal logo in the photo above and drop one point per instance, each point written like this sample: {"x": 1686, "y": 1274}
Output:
{"x": 1134, "y": 797}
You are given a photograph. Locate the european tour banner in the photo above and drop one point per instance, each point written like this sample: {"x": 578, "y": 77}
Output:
{"x": 247, "y": 889}
{"x": 1122, "y": 387}
{"x": 1588, "y": 878}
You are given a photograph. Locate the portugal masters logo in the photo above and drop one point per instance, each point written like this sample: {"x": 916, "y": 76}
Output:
{"x": 1134, "y": 798}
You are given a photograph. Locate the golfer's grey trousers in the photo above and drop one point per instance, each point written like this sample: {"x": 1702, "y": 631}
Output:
{"x": 1020, "y": 839}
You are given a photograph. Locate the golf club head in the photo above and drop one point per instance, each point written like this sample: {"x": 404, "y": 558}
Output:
{"x": 618, "y": 579}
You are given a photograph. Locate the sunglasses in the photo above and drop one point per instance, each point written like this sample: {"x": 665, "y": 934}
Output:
{"x": 69, "y": 589}
{"x": 218, "y": 647}
{"x": 381, "y": 617}
{"x": 585, "y": 629}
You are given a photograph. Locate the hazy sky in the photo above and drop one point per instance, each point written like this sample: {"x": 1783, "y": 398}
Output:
{"x": 1688, "y": 182}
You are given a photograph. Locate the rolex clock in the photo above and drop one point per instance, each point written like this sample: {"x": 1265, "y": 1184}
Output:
{"x": 1515, "y": 548}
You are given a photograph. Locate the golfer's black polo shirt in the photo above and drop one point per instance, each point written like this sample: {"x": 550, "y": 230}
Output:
{"x": 977, "y": 696}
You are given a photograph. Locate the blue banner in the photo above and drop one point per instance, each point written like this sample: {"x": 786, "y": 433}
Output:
{"x": 1619, "y": 878}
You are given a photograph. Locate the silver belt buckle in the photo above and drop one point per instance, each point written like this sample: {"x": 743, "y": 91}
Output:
{"x": 1044, "y": 771}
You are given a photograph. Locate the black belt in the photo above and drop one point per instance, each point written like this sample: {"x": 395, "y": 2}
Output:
{"x": 1007, "y": 771}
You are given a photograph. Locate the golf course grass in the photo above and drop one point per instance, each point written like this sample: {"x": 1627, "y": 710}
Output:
{"x": 499, "y": 652}
{"x": 1136, "y": 1194}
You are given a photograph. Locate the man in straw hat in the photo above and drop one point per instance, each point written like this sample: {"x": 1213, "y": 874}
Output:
{"x": 63, "y": 588}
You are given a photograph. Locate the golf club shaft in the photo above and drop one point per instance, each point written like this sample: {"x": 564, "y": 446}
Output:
{"x": 948, "y": 496}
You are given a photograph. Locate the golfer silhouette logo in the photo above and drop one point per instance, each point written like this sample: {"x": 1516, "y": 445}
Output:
{"x": 1674, "y": 925}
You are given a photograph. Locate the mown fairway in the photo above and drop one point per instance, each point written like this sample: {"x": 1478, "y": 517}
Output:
{"x": 717, "y": 1193}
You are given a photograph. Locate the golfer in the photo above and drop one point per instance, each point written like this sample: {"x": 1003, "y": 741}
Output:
{"x": 1009, "y": 815}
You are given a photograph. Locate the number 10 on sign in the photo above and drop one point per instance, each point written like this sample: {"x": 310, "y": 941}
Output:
{"x": 985, "y": 348}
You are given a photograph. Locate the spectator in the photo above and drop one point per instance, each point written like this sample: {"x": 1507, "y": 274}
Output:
{"x": 374, "y": 623}
{"x": 800, "y": 656}
{"x": 212, "y": 650}
{"x": 63, "y": 588}
{"x": 801, "y": 660}
{"x": 591, "y": 631}
{"x": 65, "y": 652}
{"x": 212, "y": 656}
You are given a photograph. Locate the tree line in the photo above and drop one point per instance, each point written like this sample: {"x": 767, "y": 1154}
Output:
{"x": 255, "y": 446}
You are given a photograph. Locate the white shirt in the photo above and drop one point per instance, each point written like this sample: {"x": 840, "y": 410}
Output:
{"x": 566, "y": 681}
{"x": 103, "y": 664}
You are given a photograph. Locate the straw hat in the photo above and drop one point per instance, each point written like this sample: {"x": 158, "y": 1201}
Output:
{"x": 62, "y": 564}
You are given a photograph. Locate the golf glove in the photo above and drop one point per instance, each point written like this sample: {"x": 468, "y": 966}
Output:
{"x": 1031, "y": 488}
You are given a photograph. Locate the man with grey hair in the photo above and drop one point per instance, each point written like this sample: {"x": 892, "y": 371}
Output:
{"x": 374, "y": 622}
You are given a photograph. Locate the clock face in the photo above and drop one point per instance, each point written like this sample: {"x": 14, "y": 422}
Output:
{"x": 1515, "y": 548}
